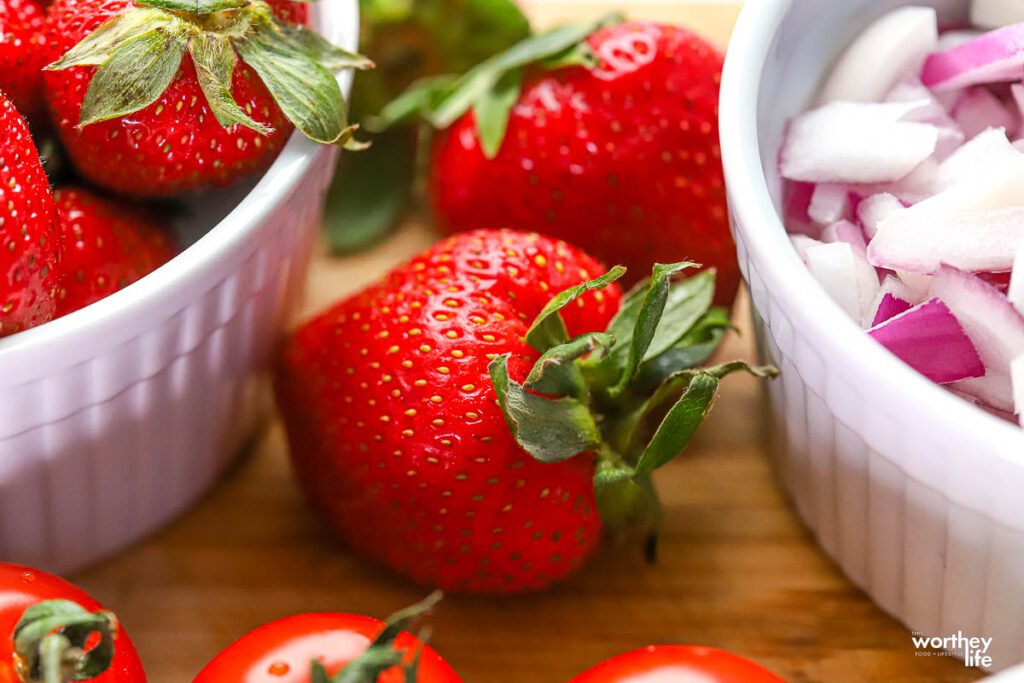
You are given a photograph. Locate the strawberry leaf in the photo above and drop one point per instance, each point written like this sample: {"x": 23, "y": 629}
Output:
{"x": 307, "y": 93}
{"x": 96, "y": 48}
{"x": 680, "y": 424}
{"x": 214, "y": 59}
{"x": 494, "y": 110}
{"x": 695, "y": 347}
{"x": 328, "y": 55}
{"x": 475, "y": 84}
{"x": 683, "y": 419}
{"x": 135, "y": 75}
{"x": 685, "y": 303}
{"x": 195, "y": 6}
{"x": 548, "y": 329}
{"x": 555, "y": 373}
{"x": 637, "y": 322}
{"x": 418, "y": 99}
{"x": 551, "y": 430}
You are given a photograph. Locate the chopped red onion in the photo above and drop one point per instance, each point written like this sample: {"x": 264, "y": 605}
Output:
{"x": 929, "y": 339}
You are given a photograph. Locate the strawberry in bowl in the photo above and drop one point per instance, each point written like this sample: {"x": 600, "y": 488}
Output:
{"x": 148, "y": 375}
{"x": 152, "y": 99}
{"x": 478, "y": 418}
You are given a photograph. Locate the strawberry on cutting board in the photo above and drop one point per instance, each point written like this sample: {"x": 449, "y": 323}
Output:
{"x": 188, "y": 94}
{"x": 107, "y": 246}
{"x": 29, "y": 230}
{"x": 22, "y": 53}
{"x": 602, "y": 134}
{"x": 476, "y": 419}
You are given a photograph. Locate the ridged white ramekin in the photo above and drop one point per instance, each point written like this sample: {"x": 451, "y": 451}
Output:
{"x": 115, "y": 419}
{"x": 917, "y": 495}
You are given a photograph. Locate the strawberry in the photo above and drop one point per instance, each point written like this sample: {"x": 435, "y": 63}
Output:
{"x": 22, "y": 56}
{"x": 29, "y": 229}
{"x": 610, "y": 143}
{"x": 464, "y": 423}
{"x": 107, "y": 246}
{"x": 188, "y": 95}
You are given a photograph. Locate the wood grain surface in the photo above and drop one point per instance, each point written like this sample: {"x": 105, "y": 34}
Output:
{"x": 736, "y": 569}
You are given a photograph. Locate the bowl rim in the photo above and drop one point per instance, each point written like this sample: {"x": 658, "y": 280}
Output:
{"x": 338, "y": 21}
{"x": 786, "y": 276}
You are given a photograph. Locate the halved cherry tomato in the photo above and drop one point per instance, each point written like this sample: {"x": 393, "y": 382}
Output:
{"x": 48, "y": 623}
{"x": 677, "y": 664}
{"x": 283, "y": 651}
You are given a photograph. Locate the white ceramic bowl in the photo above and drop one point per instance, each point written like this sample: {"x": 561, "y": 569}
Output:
{"x": 916, "y": 494}
{"x": 113, "y": 420}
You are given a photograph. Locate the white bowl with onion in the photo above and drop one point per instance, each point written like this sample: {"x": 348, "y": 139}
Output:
{"x": 916, "y": 491}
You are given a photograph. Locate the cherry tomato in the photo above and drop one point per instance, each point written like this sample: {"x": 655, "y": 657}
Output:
{"x": 677, "y": 664}
{"x": 283, "y": 651}
{"x": 48, "y": 612}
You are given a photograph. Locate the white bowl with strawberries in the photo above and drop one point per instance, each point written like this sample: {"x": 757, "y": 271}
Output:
{"x": 914, "y": 489}
{"x": 143, "y": 297}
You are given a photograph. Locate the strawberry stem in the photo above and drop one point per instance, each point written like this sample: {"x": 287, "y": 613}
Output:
{"x": 607, "y": 392}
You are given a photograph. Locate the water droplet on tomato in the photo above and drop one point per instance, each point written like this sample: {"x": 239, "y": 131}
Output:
{"x": 28, "y": 577}
{"x": 279, "y": 669}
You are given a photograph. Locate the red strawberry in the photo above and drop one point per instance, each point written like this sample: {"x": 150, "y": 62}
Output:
{"x": 107, "y": 246}
{"x": 621, "y": 158}
{"x": 22, "y": 56}
{"x": 175, "y": 130}
{"x": 398, "y": 439}
{"x": 29, "y": 230}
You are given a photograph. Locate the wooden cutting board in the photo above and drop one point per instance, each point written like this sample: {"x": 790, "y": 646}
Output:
{"x": 736, "y": 569}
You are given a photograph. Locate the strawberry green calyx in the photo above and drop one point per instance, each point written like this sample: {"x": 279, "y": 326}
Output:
{"x": 139, "y": 51}
{"x": 53, "y": 640}
{"x": 382, "y": 655}
{"x": 491, "y": 88}
{"x": 605, "y": 393}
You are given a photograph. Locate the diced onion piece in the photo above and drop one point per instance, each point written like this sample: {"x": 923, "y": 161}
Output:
{"x": 918, "y": 285}
{"x": 992, "y": 188}
{"x": 846, "y": 275}
{"x": 832, "y": 265}
{"x": 996, "y": 13}
{"x": 892, "y": 298}
{"x": 994, "y": 57}
{"x": 929, "y": 339}
{"x": 1015, "y": 292}
{"x": 994, "y": 326}
{"x": 829, "y": 203}
{"x": 848, "y": 233}
{"x": 894, "y": 45}
{"x": 1017, "y": 91}
{"x": 876, "y": 208}
{"x": 934, "y": 112}
{"x": 979, "y": 156}
{"x": 1017, "y": 379}
{"x": 802, "y": 243}
{"x": 978, "y": 109}
{"x": 970, "y": 240}
{"x": 950, "y": 39}
{"x": 889, "y": 307}
{"x": 848, "y": 142}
